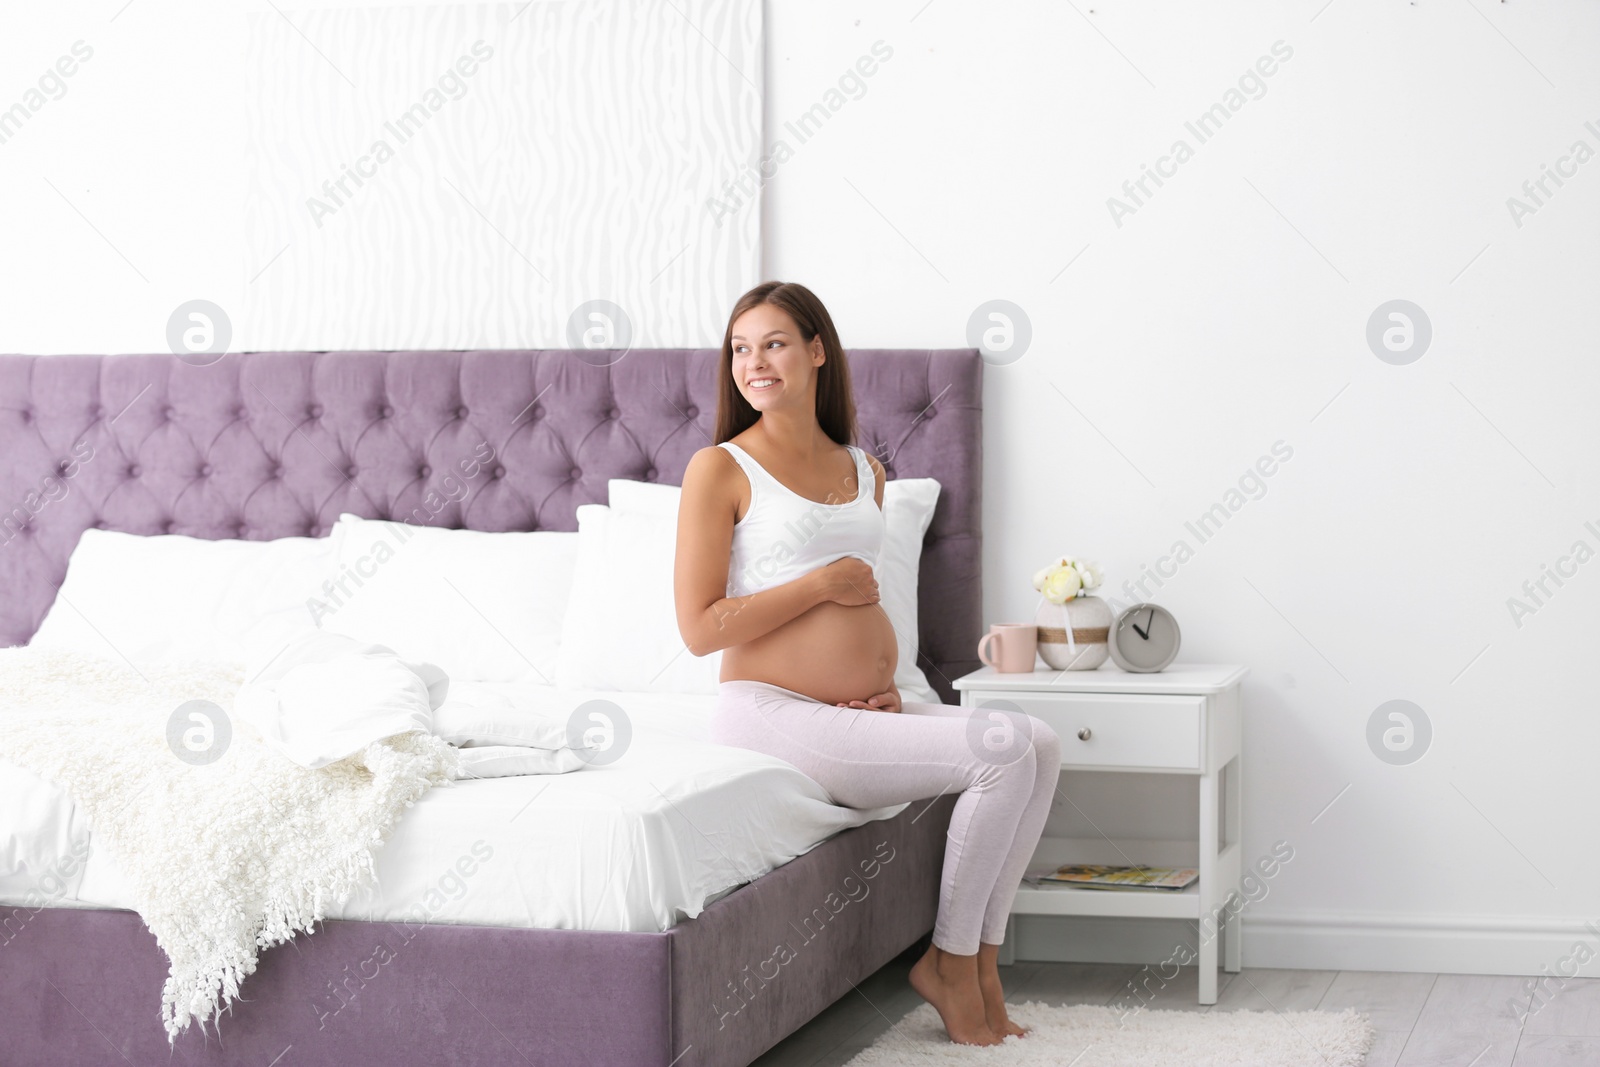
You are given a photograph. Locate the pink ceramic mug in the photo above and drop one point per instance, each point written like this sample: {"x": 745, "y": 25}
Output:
{"x": 1015, "y": 645}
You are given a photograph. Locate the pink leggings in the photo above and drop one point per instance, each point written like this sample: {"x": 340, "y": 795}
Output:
{"x": 1005, "y": 765}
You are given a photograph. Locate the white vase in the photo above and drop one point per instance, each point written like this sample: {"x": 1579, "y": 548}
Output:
{"x": 1072, "y": 636}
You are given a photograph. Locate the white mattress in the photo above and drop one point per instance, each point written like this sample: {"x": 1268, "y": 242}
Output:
{"x": 637, "y": 844}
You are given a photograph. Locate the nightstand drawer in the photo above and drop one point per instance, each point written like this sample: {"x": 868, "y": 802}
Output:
{"x": 1119, "y": 730}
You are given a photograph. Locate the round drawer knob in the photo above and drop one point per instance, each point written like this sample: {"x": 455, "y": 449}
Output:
{"x": 1084, "y": 734}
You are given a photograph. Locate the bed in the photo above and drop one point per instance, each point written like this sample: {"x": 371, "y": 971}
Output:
{"x": 273, "y": 445}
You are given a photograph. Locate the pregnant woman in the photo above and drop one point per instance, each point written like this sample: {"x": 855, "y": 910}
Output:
{"x": 778, "y": 531}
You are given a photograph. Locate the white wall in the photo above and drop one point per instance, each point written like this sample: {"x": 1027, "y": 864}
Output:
{"x": 1226, "y": 314}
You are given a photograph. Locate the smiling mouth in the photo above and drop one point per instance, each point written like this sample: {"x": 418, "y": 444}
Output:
{"x": 768, "y": 383}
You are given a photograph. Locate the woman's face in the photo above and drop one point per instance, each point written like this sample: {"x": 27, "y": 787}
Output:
{"x": 772, "y": 365}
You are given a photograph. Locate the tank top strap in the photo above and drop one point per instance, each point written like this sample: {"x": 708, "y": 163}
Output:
{"x": 866, "y": 478}
{"x": 746, "y": 461}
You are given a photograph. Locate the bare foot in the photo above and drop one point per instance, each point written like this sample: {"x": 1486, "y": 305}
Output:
{"x": 994, "y": 997}
{"x": 950, "y": 984}
{"x": 994, "y": 1010}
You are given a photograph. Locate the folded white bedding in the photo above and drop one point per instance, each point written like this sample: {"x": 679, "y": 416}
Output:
{"x": 324, "y": 697}
{"x": 635, "y": 844}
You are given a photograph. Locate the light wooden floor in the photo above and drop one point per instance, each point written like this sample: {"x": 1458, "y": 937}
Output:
{"x": 1422, "y": 1020}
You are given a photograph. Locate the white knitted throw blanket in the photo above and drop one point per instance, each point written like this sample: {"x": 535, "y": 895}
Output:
{"x": 223, "y": 858}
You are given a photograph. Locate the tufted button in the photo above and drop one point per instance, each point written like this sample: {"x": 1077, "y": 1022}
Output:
{"x": 27, "y": 414}
{"x": 133, "y": 470}
{"x": 62, "y": 466}
{"x": 691, "y": 411}
{"x": 888, "y": 471}
{"x": 96, "y": 411}
{"x": 168, "y": 413}
{"x": 537, "y": 412}
{"x": 385, "y": 411}
{"x": 168, "y": 526}
{"x": 574, "y": 473}
{"x": 424, "y": 471}
{"x": 240, "y": 530}
{"x": 612, "y": 413}
{"x": 461, "y": 412}
{"x": 205, "y": 470}
{"x": 277, "y": 472}
{"x": 311, "y": 530}
{"x": 350, "y": 471}
{"x": 100, "y": 524}
{"x": 650, "y": 475}
{"x": 239, "y": 412}
{"x": 499, "y": 472}
{"x": 314, "y": 411}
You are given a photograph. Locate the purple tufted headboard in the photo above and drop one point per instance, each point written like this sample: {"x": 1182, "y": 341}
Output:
{"x": 278, "y": 444}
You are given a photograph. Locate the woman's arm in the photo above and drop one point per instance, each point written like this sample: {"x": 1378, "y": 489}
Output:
{"x": 708, "y": 619}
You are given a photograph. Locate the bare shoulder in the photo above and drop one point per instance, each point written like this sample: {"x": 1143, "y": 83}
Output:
{"x": 708, "y": 463}
{"x": 712, "y": 473}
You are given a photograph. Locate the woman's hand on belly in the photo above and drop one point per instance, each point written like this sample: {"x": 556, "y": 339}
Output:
{"x": 849, "y": 581}
{"x": 888, "y": 701}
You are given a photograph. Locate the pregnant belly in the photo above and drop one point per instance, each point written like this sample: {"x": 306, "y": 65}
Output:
{"x": 831, "y": 652}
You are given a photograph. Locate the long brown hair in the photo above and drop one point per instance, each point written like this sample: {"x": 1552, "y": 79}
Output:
{"x": 836, "y": 402}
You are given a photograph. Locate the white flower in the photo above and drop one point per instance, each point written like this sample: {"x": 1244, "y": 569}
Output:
{"x": 1066, "y": 578}
{"x": 1039, "y": 577}
{"x": 1061, "y": 584}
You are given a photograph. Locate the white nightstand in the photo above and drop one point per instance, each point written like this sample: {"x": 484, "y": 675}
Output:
{"x": 1183, "y": 720}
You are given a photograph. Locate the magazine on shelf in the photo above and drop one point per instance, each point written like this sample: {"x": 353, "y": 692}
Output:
{"x": 1096, "y": 876}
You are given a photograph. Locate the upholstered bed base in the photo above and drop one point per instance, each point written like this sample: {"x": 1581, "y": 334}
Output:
{"x": 278, "y": 444}
{"x": 82, "y": 988}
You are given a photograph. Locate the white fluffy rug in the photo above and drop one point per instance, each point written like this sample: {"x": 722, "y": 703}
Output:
{"x": 1086, "y": 1035}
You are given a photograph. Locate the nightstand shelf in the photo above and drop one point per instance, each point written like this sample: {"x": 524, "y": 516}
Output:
{"x": 1183, "y": 720}
{"x": 1115, "y": 903}
{"x": 1145, "y": 904}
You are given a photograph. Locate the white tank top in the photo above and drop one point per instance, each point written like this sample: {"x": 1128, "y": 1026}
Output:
{"x": 785, "y": 535}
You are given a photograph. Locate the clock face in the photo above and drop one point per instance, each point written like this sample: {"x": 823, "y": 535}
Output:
{"x": 1144, "y": 638}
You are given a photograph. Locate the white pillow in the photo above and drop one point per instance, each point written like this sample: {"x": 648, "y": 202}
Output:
{"x": 171, "y": 598}
{"x": 644, "y": 498}
{"x": 908, "y": 505}
{"x": 482, "y": 606}
{"x": 621, "y": 629}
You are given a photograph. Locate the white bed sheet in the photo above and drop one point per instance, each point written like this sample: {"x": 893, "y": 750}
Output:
{"x": 638, "y": 844}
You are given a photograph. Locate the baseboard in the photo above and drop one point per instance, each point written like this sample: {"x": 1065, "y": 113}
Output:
{"x": 1334, "y": 941}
